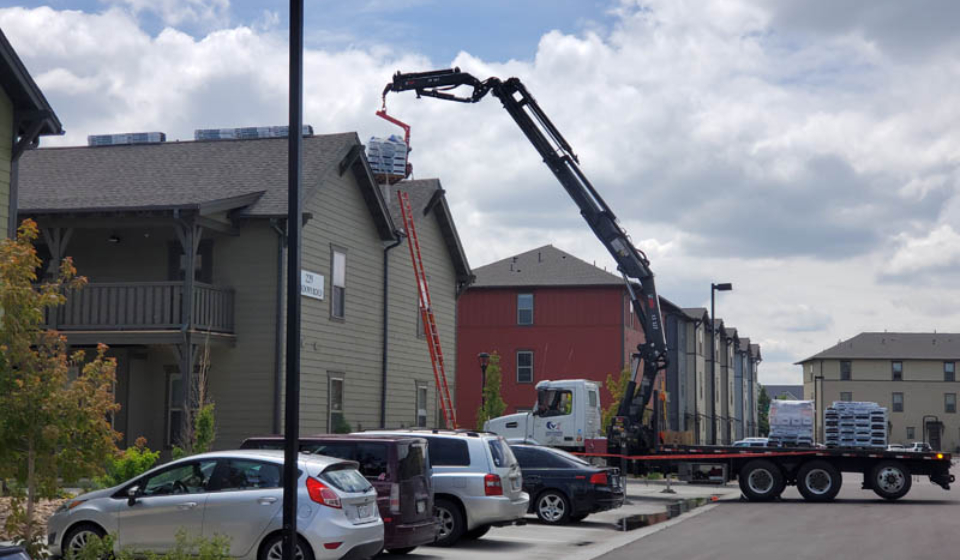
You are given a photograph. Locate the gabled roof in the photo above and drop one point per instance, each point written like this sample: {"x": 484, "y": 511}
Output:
{"x": 894, "y": 346}
{"x": 794, "y": 392}
{"x": 543, "y": 266}
{"x": 696, "y": 313}
{"x": 745, "y": 345}
{"x": 426, "y": 196}
{"x": 176, "y": 175}
{"x": 668, "y": 306}
{"x": 27, "y": 98}
{"x": 755, "y": 352}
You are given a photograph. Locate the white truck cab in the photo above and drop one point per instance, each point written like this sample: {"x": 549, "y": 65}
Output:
{"x": 566, "y": 413}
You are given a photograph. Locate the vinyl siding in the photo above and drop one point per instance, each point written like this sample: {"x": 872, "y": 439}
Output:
{"x": 409, "y": 357}
{"x": 6, "y": 150}
{"x": 351, "y": 346}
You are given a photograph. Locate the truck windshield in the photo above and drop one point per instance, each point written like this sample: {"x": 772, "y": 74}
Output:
{"x": 554, "y": 402}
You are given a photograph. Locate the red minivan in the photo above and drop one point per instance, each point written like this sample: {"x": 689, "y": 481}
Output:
{"x": 397, "y": 466}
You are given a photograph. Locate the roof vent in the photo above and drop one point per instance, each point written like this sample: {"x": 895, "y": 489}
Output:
{"x": 126, "y": 139}
{"x": 247, "y": 132}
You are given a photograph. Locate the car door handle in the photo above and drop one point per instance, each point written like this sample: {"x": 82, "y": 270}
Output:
{"x": 187, "y": 505}
{"x": 266, "y": 501}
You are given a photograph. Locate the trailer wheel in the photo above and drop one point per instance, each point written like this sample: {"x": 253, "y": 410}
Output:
{"x": 819, "y": 481}
{"x": 761, "y": 480}
{"x": 891, "y": 480}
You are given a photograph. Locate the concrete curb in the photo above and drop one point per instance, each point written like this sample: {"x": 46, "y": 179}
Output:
{"x": 675, "y": 508}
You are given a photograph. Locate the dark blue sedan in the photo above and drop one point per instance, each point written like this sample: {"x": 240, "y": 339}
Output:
{"x": 565, "y": 488}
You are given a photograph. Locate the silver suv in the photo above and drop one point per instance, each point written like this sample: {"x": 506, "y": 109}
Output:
{"x": 476, "y": 480}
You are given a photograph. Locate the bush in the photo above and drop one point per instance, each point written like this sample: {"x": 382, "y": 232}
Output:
{"x": 132, "y": 462}
{"x": 340, "y": 424}
{"x": 185, "y": 548}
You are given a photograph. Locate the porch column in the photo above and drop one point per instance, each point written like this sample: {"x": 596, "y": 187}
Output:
{"x": 189, "y": 234}
{"x": 57, "y": 241}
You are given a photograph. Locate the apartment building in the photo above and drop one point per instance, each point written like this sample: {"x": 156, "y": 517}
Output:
{"x": 912, "y": 374}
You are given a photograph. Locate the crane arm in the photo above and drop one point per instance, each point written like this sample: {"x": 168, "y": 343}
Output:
{"x": 563, "y": 162}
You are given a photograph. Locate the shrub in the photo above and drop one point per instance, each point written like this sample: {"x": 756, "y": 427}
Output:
{"x": 185, "y": 548}
{"x": 132, "y": 462}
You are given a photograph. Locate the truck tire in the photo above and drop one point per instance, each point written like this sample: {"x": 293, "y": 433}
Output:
{"x": 891, "y": 480}
{"x": 819, "y": 481}
{"x": 761, "y": 480}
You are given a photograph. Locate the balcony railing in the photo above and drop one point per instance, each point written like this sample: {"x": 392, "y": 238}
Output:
{"x": 143, "y": 306}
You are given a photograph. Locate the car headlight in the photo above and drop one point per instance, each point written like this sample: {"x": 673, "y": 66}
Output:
{"x": 69, "y": 505}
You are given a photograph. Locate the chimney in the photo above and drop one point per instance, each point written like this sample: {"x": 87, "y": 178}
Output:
{"x": 539, "y": 257}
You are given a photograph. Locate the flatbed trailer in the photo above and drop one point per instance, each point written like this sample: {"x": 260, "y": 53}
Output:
{"x": 764, "y": 472}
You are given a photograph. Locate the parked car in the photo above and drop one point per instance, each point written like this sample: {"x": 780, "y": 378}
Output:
{"x": 896, "y": 447}
{"x": 477, "y": 482}
{"x": 237, "y": 494}
{"x": 13, "y": 553}
{"x": 397, "y": 466}
{"x": 564, "y": 487}
{"x": 919, "y": 447}
{"x": 752, "y": 442}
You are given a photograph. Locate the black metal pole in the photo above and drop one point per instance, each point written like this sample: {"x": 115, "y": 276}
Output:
{"x": 713, "y": 368}
{"x": 294, "y": 223}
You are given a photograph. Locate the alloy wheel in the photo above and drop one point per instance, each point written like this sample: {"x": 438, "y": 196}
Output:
{"x": 761, "y": 481}
{"x": 79, "y": 540}
{"x": 446, "y": 522}
{"x": 818, "y": 481}
{"x": 890, "y": 479}
{"x": 551, "y": 508}
{"x": 276, "y": 551}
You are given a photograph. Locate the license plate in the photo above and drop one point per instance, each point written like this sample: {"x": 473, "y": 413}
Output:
{"x": 515, "y": 483}
{"x": 363, "y": 511}
{"x": 421, "y": 506}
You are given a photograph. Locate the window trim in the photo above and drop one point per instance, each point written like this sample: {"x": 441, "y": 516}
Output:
{"x": 952, "y": 373}
{"x": 532, "y": 308}
{"x": 334, "y": 250}
{"x": 421, "y": 386}
{"x": 946, "y": 405}
{"x": 848, "y": 375}
{"x": 517, "y": 367}
{"x": 849, "y": 393}
{"x": 172, "y": 374}
{"x": 893, "y": 370}
{"x": 911, "y": 432}
{"x": 331, "y": 377}
{"x": 893, "y": 402}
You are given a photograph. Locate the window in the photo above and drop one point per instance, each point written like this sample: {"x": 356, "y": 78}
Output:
{"x": 174, "y": 408}
{"x": 243, "y": 474}
{"x": 592, "y": 399}
{"x": 337, "y": 423}
{"x": 845, "y": 367}
{"x": 699, "y": 340}
{"x": 448, "y": 452}
{"x": 338, "y": 305}
{"x": 911, "y": 433}
{"x": 185, "y": 478}
{"x": 846, "y": 396}
{"x": 898, "y": 402}
{"x": 950, "y": 403}
{"x": 421, "y": 405}
{"x": 524, "y": 309}
{"x": 373, "y": 460}
{"x": 525, "y": 366}
{"x": 413, "y": 460}
{"x": 897, "y": 368}
{"x": 554, "y": 402}
{"x": 949, "y": 371}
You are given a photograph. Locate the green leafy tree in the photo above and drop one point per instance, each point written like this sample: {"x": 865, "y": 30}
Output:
{"x": 617, "y": 387}
{"x": 131, "y": 462}
{"x": 493, "y": 403}
{"x": 763, "y": 412}
{"x": 52, "y": 424}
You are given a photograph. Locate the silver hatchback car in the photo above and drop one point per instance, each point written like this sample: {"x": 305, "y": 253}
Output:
{"x": 236, "y": 494}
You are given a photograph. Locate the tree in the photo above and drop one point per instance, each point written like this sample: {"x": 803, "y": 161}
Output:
{"x": 617, "y": 387}
{"x": 763, "y": 412}
{"x": 493, "y": 403}
{"x": 52, "y": 423}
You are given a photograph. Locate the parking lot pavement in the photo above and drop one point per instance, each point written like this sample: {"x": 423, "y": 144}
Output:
{"x": 588, "y": 539}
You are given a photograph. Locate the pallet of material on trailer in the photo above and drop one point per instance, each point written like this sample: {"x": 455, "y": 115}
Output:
{"x": 791, "y": 423}
{"x": 855, "y": 424}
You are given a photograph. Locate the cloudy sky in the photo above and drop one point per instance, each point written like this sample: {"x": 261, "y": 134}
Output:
{"x": 806, "y": 151}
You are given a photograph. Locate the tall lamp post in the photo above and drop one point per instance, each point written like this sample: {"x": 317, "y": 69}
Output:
{"x": 714, "y": 288}
{"x": 484, "y": 360}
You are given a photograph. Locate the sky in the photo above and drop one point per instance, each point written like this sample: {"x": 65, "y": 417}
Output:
{"x": 806, "y": 151}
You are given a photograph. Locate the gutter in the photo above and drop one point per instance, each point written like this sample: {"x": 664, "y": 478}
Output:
{"x": 278, "y": 354}
{"x": 386, "y": 314}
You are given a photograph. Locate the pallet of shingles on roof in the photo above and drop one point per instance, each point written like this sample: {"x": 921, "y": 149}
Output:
{"x": 388, "y": 157}
{"x": 791, "y": 423}
{"x": 855, "y": 424}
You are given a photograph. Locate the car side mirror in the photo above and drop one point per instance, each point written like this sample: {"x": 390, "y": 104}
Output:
{"x": 132, "y": 493}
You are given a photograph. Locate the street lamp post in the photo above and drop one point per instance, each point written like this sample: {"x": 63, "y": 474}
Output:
{"x": 484, "y": 360}
{"x": 714, "y": 288}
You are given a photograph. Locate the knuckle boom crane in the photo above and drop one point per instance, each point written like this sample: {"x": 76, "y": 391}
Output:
{"x": 627, "y": 432}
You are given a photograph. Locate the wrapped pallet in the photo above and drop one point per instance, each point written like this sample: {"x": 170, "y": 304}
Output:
{"x": 791, "y": 423}
{"x": 388, "y": 156}
{"x": 855, "y": 424}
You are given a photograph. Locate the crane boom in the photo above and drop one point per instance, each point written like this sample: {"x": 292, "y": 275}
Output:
{"x": 627, "y": 430}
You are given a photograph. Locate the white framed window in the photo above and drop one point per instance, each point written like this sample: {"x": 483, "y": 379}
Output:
{"x": 950, "y": 403}
{"x": 524, "y": 309}
{"x": 846, "y": 396}
{"x": 174, "y": 408}
{"x": 525, "y": 366}
{"x": 949, "y": 371}
{"x": 897, "y": 402}
{"x": 911, "y": 433}
{"x": 338, "y": 266}
{"x": 897, "y": 370}
{"x": 421, "y": 405}
{"x": 336, "y": 420}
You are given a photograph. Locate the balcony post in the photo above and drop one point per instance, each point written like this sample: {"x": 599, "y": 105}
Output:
{"x": 189, "y": 234}
{"x": 57, "y": 240}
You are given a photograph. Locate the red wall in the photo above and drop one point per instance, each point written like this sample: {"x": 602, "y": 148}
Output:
{"x": 577, "y": 333}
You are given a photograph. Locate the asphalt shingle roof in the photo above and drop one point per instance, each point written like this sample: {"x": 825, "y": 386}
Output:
{"x": 543, "y": 266}
{"x": 173, "y": 174}
{"x": 893, "y": 346}
{"x": 794, "y": 391}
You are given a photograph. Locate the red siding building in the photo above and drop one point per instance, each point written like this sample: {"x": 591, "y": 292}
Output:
{"x": 549, "y": 315}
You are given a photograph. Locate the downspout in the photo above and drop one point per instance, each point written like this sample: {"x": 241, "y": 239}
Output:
{"x": 386, "y": 292}
{"x": 278, "y": 345}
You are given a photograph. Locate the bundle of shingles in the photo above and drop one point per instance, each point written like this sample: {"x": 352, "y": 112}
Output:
{"x": 855, "y": 424}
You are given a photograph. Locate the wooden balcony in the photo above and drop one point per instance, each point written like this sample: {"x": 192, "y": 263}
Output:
{"x": 144, "y": 306}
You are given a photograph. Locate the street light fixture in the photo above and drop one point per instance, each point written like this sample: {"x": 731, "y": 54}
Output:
{"x": 484, "y": 360}
{"x": 714, "y": 288}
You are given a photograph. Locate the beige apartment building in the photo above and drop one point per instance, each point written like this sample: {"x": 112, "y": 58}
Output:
{"x": 912, "y": 374}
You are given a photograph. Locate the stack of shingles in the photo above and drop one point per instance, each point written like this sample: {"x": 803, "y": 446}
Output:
{"x": 855, "y": 424}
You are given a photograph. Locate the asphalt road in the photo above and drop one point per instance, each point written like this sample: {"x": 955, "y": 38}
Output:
{"x": 858, "y": 525}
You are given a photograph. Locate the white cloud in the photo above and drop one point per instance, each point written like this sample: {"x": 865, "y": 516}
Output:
{"x": 797, "y": 157}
